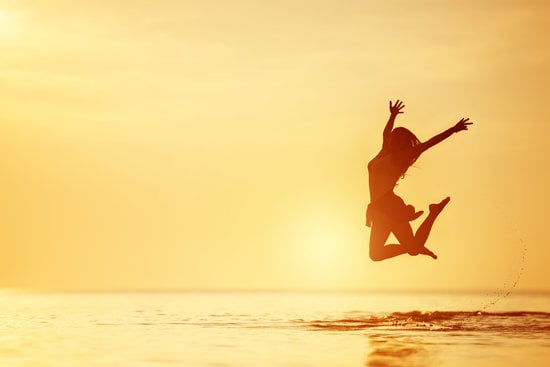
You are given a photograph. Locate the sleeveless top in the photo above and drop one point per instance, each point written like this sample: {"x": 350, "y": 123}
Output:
{"x": 383, "y": 176}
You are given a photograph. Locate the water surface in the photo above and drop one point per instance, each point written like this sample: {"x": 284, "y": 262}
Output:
{"x": 273, "y": 329}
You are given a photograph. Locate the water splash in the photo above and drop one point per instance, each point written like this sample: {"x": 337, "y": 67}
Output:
{"x": 508, "y": 287}
{"x": 441, "y": 321}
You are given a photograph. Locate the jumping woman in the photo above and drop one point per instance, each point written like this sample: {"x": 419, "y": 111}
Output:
{"x": 387, "y": 212}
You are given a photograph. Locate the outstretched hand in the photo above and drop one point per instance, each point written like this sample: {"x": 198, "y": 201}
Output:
{"x": 462, "y": 125}
{"x": 396, "y": 108}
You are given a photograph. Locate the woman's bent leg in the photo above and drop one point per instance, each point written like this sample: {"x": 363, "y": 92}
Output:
{"x": 378, "y": 250}
{"x": 404, "y": 234}
{"x": 423, "y": 231}
{"x": 414, "y": 243}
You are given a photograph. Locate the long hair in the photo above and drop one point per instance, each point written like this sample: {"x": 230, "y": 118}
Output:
{"x": 401, "y": 140}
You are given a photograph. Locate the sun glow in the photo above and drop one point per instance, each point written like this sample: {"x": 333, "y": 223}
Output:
{"x": 7, "y": 23}
{"x": 4, "y": 17}
{"x": 319, "y": 249}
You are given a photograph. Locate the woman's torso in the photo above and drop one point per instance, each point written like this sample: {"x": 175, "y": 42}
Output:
{"x": 383, "y": 175}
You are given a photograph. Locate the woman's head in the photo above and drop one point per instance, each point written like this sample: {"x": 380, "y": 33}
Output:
{"x": 401, "y": 140}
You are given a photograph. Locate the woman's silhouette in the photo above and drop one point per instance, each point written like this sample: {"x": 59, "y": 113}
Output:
{"x": 387, "y": 212}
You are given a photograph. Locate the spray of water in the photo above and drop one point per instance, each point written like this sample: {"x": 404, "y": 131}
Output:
{"x": 508, "y": 286}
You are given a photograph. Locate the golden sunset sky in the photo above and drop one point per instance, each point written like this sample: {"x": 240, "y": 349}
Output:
{"x": 223, "y": 145}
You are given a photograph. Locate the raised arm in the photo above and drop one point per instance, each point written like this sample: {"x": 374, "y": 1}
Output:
{"x": 460, "y": 126}
{"x": 395, "y": 109}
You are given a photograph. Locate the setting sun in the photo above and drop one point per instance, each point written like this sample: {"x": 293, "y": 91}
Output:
{"x": 320, "y": 248}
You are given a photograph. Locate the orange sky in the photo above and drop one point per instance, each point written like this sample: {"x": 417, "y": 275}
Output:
{"x": 223, "y": 145}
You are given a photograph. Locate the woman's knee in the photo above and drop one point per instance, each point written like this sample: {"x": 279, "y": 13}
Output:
{"x": 413, "y": 252}
{"x": 375, "y": 255}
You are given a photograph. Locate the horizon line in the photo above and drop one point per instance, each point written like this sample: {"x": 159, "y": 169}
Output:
{"x": 495, "y": 292}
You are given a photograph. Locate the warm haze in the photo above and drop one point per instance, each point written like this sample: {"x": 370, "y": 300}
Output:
{"x": 223, "y": 145}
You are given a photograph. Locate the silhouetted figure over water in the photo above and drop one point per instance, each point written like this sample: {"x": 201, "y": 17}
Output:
{"x": 387, "y": 212}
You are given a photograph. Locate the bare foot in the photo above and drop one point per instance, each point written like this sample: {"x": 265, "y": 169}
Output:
{"x": 425, "y": 251}
{"x": 435, "y": 209}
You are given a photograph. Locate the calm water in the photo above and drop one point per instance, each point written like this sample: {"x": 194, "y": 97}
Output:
{"x": 263, "y": 329}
